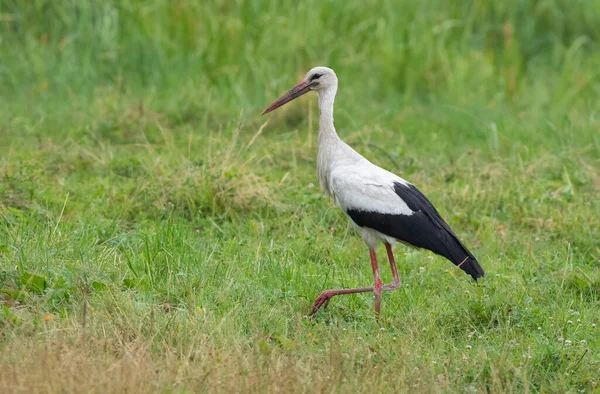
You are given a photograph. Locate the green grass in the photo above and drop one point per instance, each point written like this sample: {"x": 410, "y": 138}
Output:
{"x": 157, "y": 235}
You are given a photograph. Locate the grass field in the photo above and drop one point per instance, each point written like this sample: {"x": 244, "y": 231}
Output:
{"x": 157, "y": 234}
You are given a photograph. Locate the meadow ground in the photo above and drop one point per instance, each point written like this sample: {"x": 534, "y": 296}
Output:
{"x": 157, "y": 234}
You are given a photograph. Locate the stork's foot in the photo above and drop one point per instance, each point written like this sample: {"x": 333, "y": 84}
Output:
{"x": 323, "y": 300}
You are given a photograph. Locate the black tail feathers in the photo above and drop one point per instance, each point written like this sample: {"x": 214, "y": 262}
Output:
{"x": 471, "y": 267}
{"x": 456, "y": 252}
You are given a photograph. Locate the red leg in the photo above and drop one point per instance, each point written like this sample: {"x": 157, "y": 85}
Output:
{"x": 377, "y": 284}
{"x": 324, "y": 297}
{"x": 396, "y": 281}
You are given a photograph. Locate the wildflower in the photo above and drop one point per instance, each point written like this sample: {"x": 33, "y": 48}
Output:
{"x": 593, "y": 325}
{"x": 422, "y": 269}
{"x": 560, "y": 339}
{"x": 469, "y": 347}
{"x": 567, "y": 342}
{"x": 539, "y": 328}
{"x": 569, "y": 321}
{"x": 47, "y": 318}
{"x": 310, "y": 334}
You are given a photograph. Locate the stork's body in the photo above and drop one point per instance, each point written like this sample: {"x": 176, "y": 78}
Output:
{"x": 382, "y": 206}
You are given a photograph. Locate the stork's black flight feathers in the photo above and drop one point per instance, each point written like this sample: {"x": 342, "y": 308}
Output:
{"x": 425, "y": 228}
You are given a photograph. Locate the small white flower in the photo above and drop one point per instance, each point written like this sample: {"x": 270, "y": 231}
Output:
{"x": 567, "y": 341}
{"x": 539, "y": 328}
{"x": 422, "y": 269}
{"x": 569, "y": 321}
{"x": 469, "y": 347}
{"x": 593, "y": 325}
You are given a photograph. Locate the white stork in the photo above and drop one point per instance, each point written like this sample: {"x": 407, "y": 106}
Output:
{"x": 382, "y": 206}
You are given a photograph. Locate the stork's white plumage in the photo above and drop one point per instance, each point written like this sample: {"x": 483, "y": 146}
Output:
{"x": 382, "y": 206}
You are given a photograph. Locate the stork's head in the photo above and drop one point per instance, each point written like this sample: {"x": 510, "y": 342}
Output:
{"x": 319, "y": 79}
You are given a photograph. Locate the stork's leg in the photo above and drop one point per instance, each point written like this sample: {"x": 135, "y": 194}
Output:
{"x": 396, "y": 281}
{"x": 377, "y": 284}
{"x": 324, "y": 297}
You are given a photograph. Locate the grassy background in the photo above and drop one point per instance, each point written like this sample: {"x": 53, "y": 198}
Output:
{"x": 156, "y": 234}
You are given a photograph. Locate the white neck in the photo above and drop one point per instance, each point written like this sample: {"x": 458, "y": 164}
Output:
{"x": 326, "y": 128}
{"x": 329, "y": 142}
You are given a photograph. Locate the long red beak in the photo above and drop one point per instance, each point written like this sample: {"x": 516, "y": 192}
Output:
{"x": 295, "y": 92}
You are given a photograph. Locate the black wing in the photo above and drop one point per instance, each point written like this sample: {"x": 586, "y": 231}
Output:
{"x": 425, "y": 228}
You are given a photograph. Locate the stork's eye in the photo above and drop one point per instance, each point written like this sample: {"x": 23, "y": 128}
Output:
{"x": 315, "y": 76}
